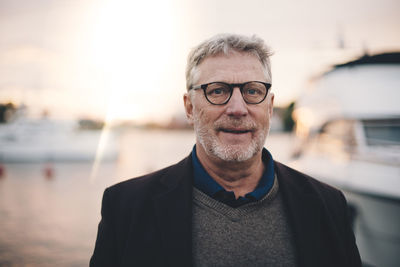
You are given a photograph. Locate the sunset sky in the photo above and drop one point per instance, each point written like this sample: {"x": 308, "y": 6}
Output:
{"x": 124, "y": 60}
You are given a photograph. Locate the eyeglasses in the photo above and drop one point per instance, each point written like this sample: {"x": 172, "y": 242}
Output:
{"x": 219, "y": 93}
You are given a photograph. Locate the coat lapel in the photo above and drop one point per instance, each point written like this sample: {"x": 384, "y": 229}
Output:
{"x": 304, "y": 211}
{"x": 173, "y": 207}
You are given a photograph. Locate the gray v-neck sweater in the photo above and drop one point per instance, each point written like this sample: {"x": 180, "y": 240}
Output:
{"x": 254, "y": 234}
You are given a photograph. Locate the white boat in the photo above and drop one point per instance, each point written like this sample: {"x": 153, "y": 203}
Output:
{"x": 43, "y": 140}
{"x": 348, "y": 124}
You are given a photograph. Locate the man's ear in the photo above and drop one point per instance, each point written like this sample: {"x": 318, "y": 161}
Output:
{"x": 187, "y": 101}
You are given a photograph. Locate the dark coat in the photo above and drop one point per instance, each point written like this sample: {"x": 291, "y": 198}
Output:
{"x": 146, "y": 221}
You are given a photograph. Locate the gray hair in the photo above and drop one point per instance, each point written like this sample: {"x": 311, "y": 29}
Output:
{"x": 225, "y": 43}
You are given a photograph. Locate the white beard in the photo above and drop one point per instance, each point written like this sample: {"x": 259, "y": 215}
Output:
{"x": 237, "y": 152}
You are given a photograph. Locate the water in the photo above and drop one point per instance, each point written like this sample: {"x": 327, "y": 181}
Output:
{"x": 53, "y": 221}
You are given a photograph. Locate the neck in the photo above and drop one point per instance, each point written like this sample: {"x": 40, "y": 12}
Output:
{"x": 239, "y": 177}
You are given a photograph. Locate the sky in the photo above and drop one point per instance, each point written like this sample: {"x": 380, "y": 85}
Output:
{"x": 125, "y": 60}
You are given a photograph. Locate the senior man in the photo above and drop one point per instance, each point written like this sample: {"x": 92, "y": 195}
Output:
{"x": 228, "y": 203}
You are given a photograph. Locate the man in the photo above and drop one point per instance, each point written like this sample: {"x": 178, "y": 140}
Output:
{"x": 228, "y": 203}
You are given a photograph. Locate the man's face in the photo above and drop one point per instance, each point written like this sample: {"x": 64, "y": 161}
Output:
{"x": 235, "y": 131}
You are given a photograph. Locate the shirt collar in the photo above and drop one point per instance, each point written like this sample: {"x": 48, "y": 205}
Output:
{"x": 204, "y": 182}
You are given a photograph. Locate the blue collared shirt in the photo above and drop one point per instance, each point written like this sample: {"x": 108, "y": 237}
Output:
{"x": 204, "y": 182}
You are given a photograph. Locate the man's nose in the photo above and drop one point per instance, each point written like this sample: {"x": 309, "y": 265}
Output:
{"x": 236, "y": 105}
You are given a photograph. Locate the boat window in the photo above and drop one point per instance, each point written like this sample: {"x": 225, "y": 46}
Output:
{"x": 337, "y": 136}
{"x": 338, "y": 128}
{"x": 382, "y": 131}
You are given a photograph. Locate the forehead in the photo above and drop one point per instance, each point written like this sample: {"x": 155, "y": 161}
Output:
{"x": 235, "y": 67}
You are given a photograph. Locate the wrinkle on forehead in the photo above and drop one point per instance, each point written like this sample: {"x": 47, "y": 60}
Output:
{"x": 234, "y": 68}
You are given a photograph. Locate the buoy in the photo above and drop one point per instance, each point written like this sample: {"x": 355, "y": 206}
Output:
{"x": 2, "y": 171}
{"x": 48, "y": 171}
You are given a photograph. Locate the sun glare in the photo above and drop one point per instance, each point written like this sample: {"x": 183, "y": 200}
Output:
{"x": 130, "y": 41}
{"x": 129, "y": 47}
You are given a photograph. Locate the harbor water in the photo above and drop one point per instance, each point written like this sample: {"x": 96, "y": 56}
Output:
{"x": 49, "y": 211}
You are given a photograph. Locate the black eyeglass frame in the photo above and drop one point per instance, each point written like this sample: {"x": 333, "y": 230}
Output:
{"x": 231, "y": 87}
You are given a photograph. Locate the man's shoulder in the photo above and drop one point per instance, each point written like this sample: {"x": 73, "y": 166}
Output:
{"x": 303, "y": 182}
{"x": 142, "y": 184}
{"x": 300, "y": 189}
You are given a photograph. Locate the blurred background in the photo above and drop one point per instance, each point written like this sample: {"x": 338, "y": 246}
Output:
{"x": 91, "y": 94}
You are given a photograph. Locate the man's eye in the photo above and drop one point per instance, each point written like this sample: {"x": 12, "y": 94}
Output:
{"x": 252, "y": 91}
{"x": 217, "y": 91}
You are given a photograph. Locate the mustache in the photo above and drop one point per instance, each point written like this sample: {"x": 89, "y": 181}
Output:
{"x": 240, "y": 123}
